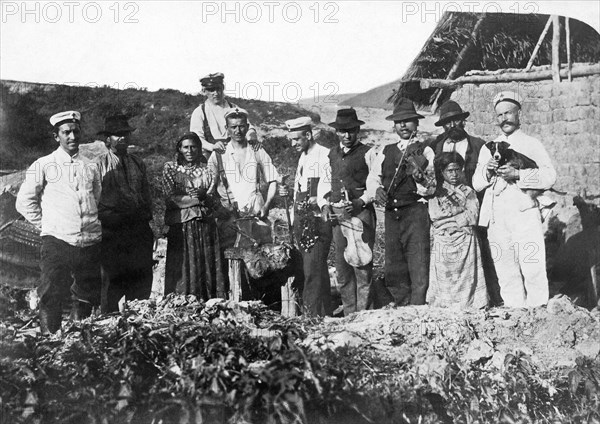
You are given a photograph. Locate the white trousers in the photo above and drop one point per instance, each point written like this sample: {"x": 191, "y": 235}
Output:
{"x": 517, "y": 245}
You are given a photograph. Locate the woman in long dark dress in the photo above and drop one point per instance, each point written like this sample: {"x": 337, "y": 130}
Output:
{"x": 193, "y": 264}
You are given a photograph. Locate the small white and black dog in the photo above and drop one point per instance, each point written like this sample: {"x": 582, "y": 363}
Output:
{"x": 503, "y": 154}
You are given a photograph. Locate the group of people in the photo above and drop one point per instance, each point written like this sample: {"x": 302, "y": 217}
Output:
{"x": 458, "y": 223}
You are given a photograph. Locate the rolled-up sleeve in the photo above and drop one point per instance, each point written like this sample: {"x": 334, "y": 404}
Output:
{"x": 324, "y": 186}
{"x": 480, "y": 180}
{"x": 427, "y": 186}
{"x": 374, "y": 177}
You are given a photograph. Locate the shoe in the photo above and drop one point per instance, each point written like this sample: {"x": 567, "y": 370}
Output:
{"x": 50, "y": 319}
{"x": 80, "y": 310}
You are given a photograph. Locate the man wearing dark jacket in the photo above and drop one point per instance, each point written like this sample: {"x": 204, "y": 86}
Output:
{"x": 400, "y": 178}
{"x": 349, "y": 171}
{"x": 125, "y": 211}
{"x": 455, "y": 139}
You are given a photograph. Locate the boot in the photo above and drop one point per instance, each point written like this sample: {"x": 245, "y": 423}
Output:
{"x": 80, "y": 310}
{"x": 50, "y": 319}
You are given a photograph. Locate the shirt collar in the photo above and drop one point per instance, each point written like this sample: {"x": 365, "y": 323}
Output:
{"x": 449, "y": 141}
{"x": 67, "y": 157}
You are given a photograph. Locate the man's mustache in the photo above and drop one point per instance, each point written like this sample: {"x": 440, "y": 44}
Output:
{"x": 507, "y": 122}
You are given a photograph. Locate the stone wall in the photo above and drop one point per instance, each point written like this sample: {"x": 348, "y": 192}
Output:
{"x": 564, "y": 116}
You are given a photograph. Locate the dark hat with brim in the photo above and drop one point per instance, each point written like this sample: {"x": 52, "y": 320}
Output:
{"x": 404, "y": 111}
{"x": 346, "y": 119}
{"x": 451, "y": 111}
{"x": 116, "y": 124}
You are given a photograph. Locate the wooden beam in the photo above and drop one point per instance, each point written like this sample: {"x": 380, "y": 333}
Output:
{"x": 555, "y": 48}
{"x": 538, "y": 45}
{"x": 459, "y": 59}
{"x": 568, "y": 41}
{"x": 579, "y": 71}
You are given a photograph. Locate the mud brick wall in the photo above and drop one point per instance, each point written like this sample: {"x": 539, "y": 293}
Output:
{"x": 565, "y": 116}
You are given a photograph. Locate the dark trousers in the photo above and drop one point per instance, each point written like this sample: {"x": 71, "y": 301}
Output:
{"x": 65, "y": 267}
{"x": 316, "y": 292}
{"x": 127, "y": 260}
{"x": 489, "y": 271}
{"x": 407, "y": 254}
{"x": 354, "y": 282}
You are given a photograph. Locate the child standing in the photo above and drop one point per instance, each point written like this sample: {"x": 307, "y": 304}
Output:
{"x": 456, "y": 274}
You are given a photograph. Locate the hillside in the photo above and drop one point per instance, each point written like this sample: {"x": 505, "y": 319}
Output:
{"x": 375, "y": 97}
{"x": 159, "y": 116}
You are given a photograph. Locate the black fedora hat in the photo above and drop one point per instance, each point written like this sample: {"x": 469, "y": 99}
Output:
{"x": 449, "y": 111}
{"x": 116, "y": 124}
{"x": 346, "y": 119}
{"x": 403, "y": 111}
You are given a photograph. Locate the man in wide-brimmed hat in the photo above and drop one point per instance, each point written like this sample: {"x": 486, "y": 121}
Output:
{"x": 125, "y": 211}
{"x": 60, "y": 196}
{"x": 456, "y": 139}
{"x": 510, "y": 214}
{"x": 208, "y": 119}
{"x": 311, "y": 232}
{"x": 399, "y": 179}
{"x": 349, "y": 171}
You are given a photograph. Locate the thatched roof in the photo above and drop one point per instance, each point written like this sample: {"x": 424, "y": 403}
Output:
{"x": 501, "y": 40}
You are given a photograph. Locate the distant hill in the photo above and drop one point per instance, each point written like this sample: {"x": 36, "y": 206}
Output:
{"x": 375, "y": 97}
{"x": 326, "y": 99}
{"x": 159, "y": 116}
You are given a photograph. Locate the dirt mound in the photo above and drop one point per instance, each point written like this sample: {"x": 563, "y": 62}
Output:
{"x": 554, "y": 335}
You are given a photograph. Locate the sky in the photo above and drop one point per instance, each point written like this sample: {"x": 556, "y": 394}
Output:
{"x": 268, "y": 50}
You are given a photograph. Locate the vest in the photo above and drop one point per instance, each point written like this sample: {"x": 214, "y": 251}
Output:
{"x": 348, "y": 171}
{"x": 403, "y": 190}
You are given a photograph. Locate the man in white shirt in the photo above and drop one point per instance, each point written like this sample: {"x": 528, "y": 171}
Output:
{"x": 60, "y": 196}
{"x": 512, "y": 217}
{"x": 312, "y": 231}
{"x": 238, "y": 173}
{"x": 208, "y": 119}
{"x": 399, "y": 179}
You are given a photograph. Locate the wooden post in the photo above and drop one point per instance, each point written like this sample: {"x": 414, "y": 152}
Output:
{"x": 568, "y": 41}
{"x": 539, "y": 43}
{"x": 235, "y": 279}
{"x": 555, "y": 48}
{"x": 288, "y": 299}
{"x": 459, "y": 59}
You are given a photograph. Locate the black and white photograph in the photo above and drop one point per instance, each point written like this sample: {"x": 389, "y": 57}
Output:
{"x": 299, "y": 212}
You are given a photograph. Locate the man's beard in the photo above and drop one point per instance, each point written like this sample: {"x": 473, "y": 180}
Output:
{"x": 457, "y": 133}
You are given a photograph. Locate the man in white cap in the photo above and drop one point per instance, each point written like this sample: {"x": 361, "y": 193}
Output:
{"x": 311, "y": 232}
{"x": 60, "y": 196}
{"x": 208, "y": 119}
{"x": 239, "y": 172}
{"x": 512, "y": 217}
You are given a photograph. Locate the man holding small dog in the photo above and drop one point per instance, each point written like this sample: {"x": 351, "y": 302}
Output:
{"x": 512, "y": 217}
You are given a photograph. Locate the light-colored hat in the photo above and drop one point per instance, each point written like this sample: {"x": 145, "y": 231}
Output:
{"x": 507, "y": 96}
{"x": 236, "y": 111}
{"x": 304, "y": 123}
{"x": 212, "y": 80}
{"x": 64, "y": 117}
